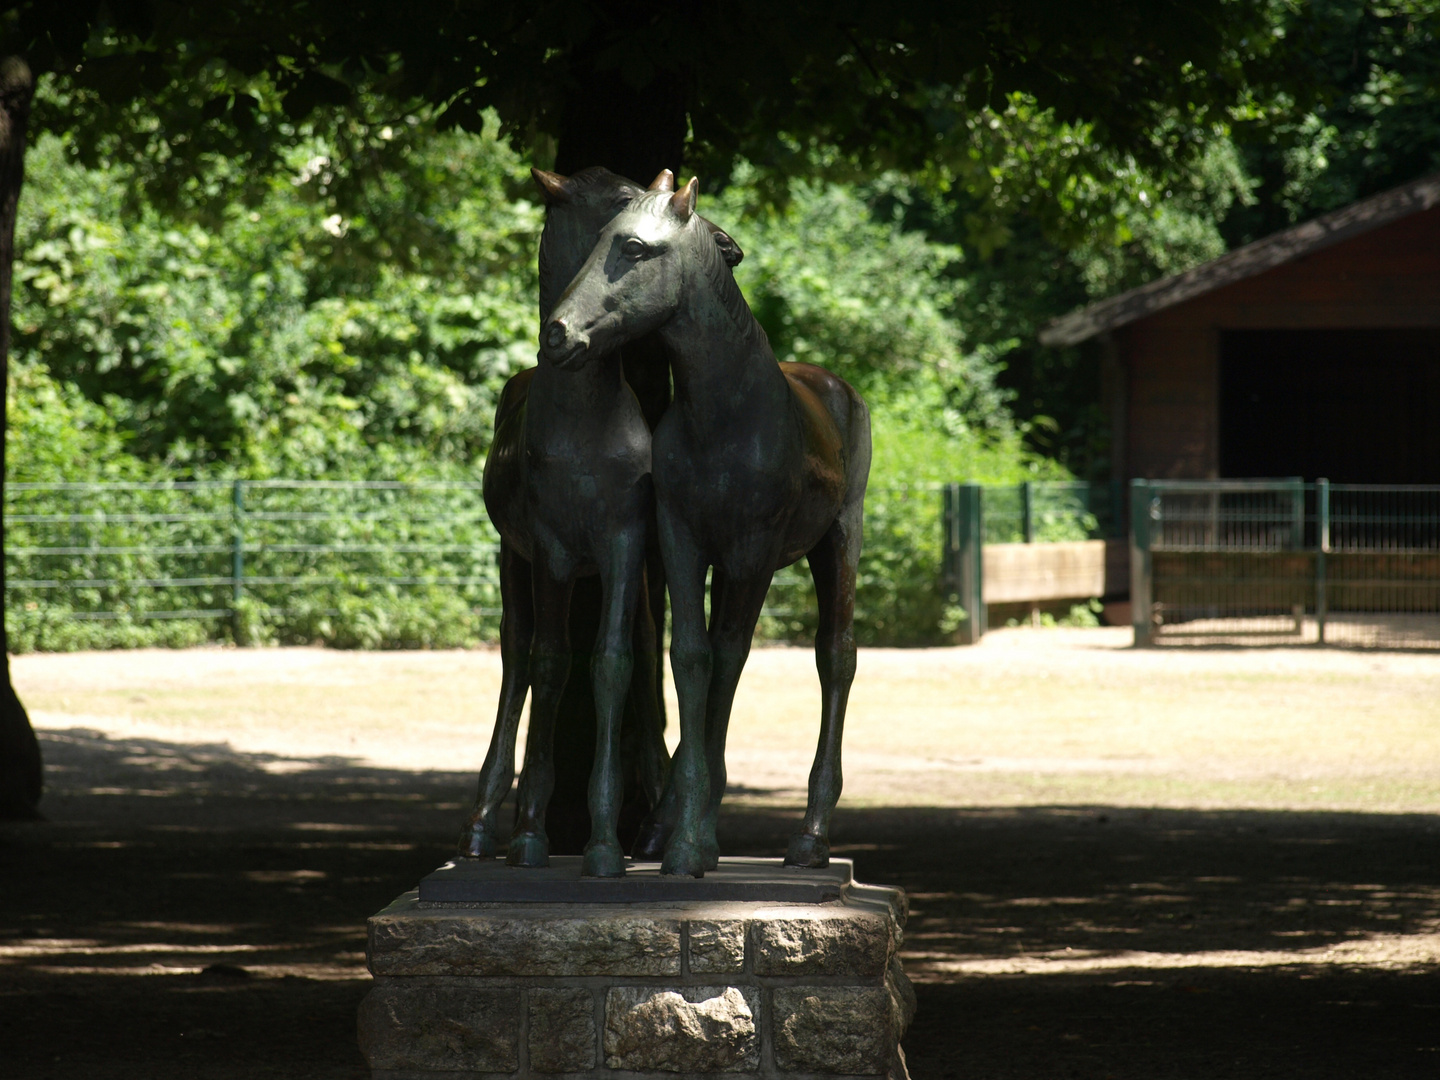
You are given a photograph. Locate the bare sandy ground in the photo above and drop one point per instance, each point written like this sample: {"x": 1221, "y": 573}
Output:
{"x": 1122, "y": 864}
{"x": 1047, "y": 716}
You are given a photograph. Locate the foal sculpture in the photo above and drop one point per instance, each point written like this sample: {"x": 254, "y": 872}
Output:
{"x": 565, "y": 484}
{"x": 756, "y": 464}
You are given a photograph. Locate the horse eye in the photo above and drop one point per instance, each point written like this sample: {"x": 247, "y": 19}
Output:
{"x": 633, "y": 248}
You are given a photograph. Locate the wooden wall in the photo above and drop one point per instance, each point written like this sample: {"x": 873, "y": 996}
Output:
{"x": 1388, "y": 277}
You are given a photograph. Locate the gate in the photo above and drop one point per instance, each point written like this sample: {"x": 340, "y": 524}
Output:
{"x": 1286, "y": 562}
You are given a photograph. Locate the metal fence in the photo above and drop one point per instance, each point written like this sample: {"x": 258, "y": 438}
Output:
{"x": 974, "y": 515}
{"x": 1051, "y": 510}
{"x": 1286, "y": 561}
{"x": 222, "y": 551}
{"x": 294, "y": 560}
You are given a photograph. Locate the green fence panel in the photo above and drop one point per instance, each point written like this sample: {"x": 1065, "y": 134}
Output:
{"x": 1286, "y": 561}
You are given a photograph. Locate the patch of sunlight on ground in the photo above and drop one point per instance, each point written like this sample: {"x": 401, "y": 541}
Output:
{"x": 1028, "y": 716}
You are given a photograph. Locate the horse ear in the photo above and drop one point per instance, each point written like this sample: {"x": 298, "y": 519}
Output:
{"x": 554, "y": 187}
{"x": 683, "y": 201}
{"x": 729, "y": 249}
{"x": 664, "y": 182}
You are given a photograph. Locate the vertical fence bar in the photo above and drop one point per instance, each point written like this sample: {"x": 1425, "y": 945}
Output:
{"x": 1322, "y": 549}
{"x": 1027, "y": 511}
{"x": 1142, "y": 613}
{"x": 970, "y": 561}
{"x": 237, "y": 556}
{"x": 1297, "y": 538}
{"x": 950, "y": 542}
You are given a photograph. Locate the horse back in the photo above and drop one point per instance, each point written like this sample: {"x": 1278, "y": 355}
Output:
{"x": 846, "y": 411}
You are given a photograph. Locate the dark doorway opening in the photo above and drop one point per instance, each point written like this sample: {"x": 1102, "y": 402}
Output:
{"x": 1354, "y": 406}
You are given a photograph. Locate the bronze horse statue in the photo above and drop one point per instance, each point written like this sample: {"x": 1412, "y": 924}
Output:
{"x": 566, "y": 483}
{"x": 755, "y": 464}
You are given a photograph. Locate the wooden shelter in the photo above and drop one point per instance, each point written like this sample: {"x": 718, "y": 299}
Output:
{"x": 1312, "y": 353}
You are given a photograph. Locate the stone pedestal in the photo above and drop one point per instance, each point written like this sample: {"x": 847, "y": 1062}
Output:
{"x": 611, "y": 984}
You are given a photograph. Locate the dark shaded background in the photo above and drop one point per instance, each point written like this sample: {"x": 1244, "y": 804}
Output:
{"x": 253, "y": 876}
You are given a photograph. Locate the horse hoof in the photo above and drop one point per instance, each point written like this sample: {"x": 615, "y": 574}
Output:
{"x": 650, "y": 843}
{"x": 711, "y": 854}
{"x": 807, "y": 850}
{"x": 683, "y": 860}
{"x": 603, "y": 860}
{"x": 529, "y": 849}
{"x": 477, "y": 842}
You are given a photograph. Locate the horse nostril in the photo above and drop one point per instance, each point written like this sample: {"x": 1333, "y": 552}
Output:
{"x": 555, "y": 335}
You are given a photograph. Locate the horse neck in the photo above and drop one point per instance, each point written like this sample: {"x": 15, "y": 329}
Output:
{"x": 566, "y": 400}
{"x": 722, "y": 362}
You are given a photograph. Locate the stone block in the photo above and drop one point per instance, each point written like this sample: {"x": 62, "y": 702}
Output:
{"x": 834, "y": 1029}
{"x": 835, "y": 940}
{"x": 902, "y": 994}
{"x": 608, "y": 941}
{"x": 562, "y": 1029}
{"x": 692, "y": 1029}
{"x": 881, "y": 897}
{"x": 717, "y": 947}
{"x": 441, "y": 1028}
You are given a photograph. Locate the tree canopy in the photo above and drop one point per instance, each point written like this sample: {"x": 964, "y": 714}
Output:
{"x": 637, "y": 86}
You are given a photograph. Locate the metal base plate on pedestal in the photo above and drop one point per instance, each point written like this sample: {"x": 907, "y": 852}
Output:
{"x": 481, "y": 881}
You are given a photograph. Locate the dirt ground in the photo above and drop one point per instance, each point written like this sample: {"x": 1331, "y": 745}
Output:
{"x": 1170, "y": 863}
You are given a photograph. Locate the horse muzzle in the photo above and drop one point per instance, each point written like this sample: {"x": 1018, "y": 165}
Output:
{"x": 562, "y": 345}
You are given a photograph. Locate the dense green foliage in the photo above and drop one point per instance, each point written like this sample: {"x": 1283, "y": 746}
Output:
{"x": 285, "y": 339}
{"x": 275, "y": 341}
{"x": 345, "y": 297}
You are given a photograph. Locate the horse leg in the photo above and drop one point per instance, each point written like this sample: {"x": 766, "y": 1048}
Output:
{"x": 734, "y": 610}
{"x": 655, "y": 600}
{"x": 611, "y": 668}
{"x": 479, "y": 838}
{"x": 655, "y": 830}
{"x": 549, "y": 667}
{"x": 832, "y": 564}
{"x": 690, "y": 659}
{"x": 647, "y": 749}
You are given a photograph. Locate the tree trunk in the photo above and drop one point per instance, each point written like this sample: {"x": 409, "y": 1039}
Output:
{"x": 21, "y": 778}
{"x": 635, "y": 133}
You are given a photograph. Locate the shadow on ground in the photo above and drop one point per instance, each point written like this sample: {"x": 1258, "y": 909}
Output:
{"x": 190, "y": 911}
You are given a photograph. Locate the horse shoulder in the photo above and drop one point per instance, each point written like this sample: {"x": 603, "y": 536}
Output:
{"x": 513, "y": 396}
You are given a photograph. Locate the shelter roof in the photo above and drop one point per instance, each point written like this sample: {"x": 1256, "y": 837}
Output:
{"x": 1281, "y": 247}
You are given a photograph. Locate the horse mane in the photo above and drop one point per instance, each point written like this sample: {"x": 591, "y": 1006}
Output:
{"x": 598, "y": 176}
{"x": 717, "y": 272}
{"x": 722, "y": 280}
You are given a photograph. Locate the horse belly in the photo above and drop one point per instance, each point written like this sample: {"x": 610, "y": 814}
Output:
{"x": 813, "y": 512}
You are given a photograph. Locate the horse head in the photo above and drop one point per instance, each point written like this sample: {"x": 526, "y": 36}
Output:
{"x": 576, "y": 209}
{"x": 634, "y": 279}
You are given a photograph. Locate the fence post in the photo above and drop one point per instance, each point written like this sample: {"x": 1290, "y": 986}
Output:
{"x": 1297, "y": 537}
{"x": 1027, "y": 510}
{"x": 237, "y": 555}
{"x": 1117, "y": 509}
{"x": 949, "y": 541}
{"x": 962, "y": 561}
{"x": 1322, "y": 549}
{"x": 1142, "y": 608}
